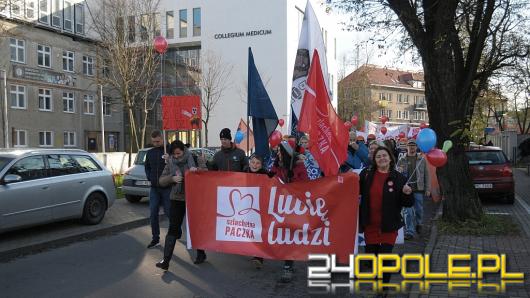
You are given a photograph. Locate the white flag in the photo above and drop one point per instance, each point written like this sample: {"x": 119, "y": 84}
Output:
{"x": 310, "y": 39}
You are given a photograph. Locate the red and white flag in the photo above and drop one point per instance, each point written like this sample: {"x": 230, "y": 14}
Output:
{"x": 328, "y": 135}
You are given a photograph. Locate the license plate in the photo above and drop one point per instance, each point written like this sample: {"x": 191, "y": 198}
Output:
{"x": 143, "y": 183}
{"x": 488, "y": 185}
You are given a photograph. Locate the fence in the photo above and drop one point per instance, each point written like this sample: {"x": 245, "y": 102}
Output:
{"x": 509, "y": 142}
{"x": 116, "y": 162}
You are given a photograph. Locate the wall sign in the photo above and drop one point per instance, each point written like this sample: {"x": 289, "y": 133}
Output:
{"x": 43, "y": 75}
{"x": 242, "y": 34}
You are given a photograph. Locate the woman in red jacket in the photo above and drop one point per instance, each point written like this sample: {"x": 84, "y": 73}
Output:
{"x": 383, "y": 193}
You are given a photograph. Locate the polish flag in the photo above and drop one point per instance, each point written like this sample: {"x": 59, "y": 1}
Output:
{"x": 328, "y": 135}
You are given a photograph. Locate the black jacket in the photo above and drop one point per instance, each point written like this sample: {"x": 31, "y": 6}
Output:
{"x": 392, "y": 201}
{"x": 154, "y": 165}
{"x": 230, "y": 159}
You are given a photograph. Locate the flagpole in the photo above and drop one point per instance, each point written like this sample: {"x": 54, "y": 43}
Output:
{"x": 248, "y": 105}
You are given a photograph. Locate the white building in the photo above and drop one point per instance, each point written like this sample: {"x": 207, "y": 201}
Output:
{"x": 228, "y": 28}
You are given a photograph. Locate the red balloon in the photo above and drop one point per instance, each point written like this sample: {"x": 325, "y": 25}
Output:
{"x": 281, "y": 122}
{"x": 354, "y": 120}
{"x": 401, "y": 135}
{"x": 275, "y": 139}
{"x": 160, "y": 44}
{"x": 437, "y": 157}
{"x": 423, "y": 125}
{"x": 348, "y": 124}
{"x": 383, "y": 130}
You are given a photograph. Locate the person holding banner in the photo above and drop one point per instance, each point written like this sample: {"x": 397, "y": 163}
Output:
{"x": 229, "y": 158}
{"x": 288, "y": 170}
{"x": 180, "y": 161}
{"x": 414, "y": 166}
{"x": 357, "y": 155}
{"x": 383, "y": 193}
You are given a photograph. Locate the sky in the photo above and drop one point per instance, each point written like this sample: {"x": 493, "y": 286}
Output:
{"x": 348, "y": 42}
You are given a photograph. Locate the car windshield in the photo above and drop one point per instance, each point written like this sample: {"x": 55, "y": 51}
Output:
{"x": 486, "y": 157}
{"x": 4, "y": 161}
{"x": 140, "y": 158}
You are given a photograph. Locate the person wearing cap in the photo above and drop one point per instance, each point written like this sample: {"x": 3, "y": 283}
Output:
{"x": 357, "y": 155}
{"x": 371, "y": 137}
{"x": 229, "y": 158}
{"x": 414, "y": 166}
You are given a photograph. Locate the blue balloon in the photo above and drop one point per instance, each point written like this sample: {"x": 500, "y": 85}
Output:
{"x": 239, "y": 137}
{"x": 426, "y": 140}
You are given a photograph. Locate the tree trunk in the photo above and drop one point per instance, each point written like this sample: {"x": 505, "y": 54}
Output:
{"x": 447, "y": 114}
{"x": 205, "y": 134}
{"x": 130, "y": 146}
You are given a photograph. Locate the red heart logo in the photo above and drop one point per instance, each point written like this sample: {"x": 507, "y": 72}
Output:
{"x": 241, "y": 204}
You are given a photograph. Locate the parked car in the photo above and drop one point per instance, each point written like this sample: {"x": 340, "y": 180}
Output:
{"x": 45, "y": 185}
{"x": 135, "y": 183}
{"x": 491, "y": 172}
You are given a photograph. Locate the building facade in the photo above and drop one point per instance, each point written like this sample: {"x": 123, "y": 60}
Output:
{"x": 200, "y": 30}
{"x": 53, "y": 99}
{"x": 371, "y": 92}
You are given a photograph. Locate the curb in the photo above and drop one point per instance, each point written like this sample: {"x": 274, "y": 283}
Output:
{"x": 43, "y": 246}
{"x": 433, "y": 238}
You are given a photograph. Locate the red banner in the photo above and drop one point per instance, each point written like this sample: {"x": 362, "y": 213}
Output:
{"x": 255, "y": 215}
{"x": 181, "y": 112}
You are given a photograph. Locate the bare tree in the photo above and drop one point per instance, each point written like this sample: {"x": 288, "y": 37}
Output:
{"x": 462, "y": 44}
{"x": 127, "y": 62}
{"x": 213, "y": 82}
{"x": 355, "y": 96}
{"x": 519, "y": 84}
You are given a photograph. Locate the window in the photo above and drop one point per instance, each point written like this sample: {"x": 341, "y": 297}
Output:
{"x": 61, "y": 165}
{"x": 389, "y": 96}
{"x": 131, "y": 28}
{"x": 144, "y": 27}
{"x": 406, "y": 115}
{"x": 29, "y": 168}
{"x": 68, "y": 102}
{"x": 107, "y": 111}
{"x": 382, "y": 96}
{"x": 68, "y": 16}
{"x": 88, "y": 65}
{"x": 389, "y": 113}
{"x": 18, "y": 96}
{"x": 156, "y": 24}
{"x": 105, "y": 69}
{"x": 398, "y": 116}
{"x": 44, "y": 54}
{"x": 44, "y": 11}
{"x": 45, "y": 100}
{"x": 381, "y": 113}
{"x": 45, "y": 138}
{"x": 197, "y": 21}
{"x": 406, "y": 99}
{"x": 18, "y": 50}
{"x": 79, "y": 19}
{"x": 57, "y": 12}
{"x": 86, "y": 163}
{"x": 88, "y": 104}
{"x": 170, "y": 25}
{"x": 415, "y": 115}
{"x": 30, "y": 9}
{"x": 183, "y": 23}
{"x": 20, "y": 139}
{"x": 68, "y": 61}
{"x": 69, "y": 139}
{"x": 400, "y": 98}
{"x": 15, "y": 8}
{"x": 422, "y": 115}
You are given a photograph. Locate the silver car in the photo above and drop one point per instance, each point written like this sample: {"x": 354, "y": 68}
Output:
{"x": 135, "y": 183}
{"x": 44, "y": 185}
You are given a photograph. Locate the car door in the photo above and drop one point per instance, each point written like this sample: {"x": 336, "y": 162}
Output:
{"x": 66, "y": 184}
{"x": 27, "y": 201}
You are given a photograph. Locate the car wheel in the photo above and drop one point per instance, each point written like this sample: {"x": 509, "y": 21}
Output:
{"x": 95, "y": 207}
{"x": 133, "y": 199}
{"x": 509, "y": 199}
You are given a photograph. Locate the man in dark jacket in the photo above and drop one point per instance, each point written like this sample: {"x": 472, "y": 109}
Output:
{"x": 229, "y": 158}
{"x": 158, "y": 196}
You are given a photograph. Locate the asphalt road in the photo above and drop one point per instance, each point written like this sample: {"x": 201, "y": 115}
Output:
{"x": 121, "y": 266}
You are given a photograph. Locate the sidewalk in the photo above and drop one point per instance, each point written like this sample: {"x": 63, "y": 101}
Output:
{"x": 516, "y": 248}
{"x": 121, "y": 216}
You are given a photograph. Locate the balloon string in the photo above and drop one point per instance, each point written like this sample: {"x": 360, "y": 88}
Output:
{"x": 415, "y": 169}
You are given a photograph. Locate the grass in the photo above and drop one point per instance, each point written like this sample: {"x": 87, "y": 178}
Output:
{"x": 118, "y": 179}
{"x": 488, "y": 225}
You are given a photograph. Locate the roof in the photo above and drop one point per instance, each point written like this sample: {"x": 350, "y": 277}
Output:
{"x": 21, "y": 151}
{"x": 385, "y": 77}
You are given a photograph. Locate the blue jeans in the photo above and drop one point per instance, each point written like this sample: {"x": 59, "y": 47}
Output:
{"x": 414, "y": 214}
{"x": 158, "y": 197}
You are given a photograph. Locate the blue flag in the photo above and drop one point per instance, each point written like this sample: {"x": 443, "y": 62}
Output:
{"x": 264, "y": 118}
